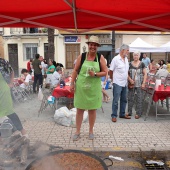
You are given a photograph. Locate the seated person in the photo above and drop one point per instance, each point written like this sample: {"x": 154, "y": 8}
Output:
{"x": 25, "y": 81}
{"x": 162, "y": 72}
{"x": 56, "y": 76}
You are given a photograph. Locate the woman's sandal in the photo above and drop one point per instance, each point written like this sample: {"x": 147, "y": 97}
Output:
{"x": 91, "y": 136}
{"x": 76, "y": 137}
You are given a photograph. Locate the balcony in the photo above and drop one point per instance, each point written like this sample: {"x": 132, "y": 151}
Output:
{"x": 29, "y": 31}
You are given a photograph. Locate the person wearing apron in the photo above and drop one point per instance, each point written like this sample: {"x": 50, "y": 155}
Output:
{"x": 86, "y": 85}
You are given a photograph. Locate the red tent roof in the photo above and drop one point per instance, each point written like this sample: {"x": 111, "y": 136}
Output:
{"x": 130, "y": 15}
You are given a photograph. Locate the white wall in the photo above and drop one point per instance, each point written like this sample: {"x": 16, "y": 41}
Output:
{"x": 59, "y": 50}
{"x": 60, "y": 53}
{"x": 20, "y": 41}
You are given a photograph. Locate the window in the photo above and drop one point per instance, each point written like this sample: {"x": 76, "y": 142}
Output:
{"x": 16, "y": 31}
{"x": 30, "y": 50}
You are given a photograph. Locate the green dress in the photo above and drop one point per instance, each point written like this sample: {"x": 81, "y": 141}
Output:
{"x": 88, "y": 93}
{"x": 6, "y": 104}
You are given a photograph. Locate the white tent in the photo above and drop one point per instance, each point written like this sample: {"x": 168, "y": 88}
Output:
{"x": 142, "y": 46}
{"x": 166, "y": 46}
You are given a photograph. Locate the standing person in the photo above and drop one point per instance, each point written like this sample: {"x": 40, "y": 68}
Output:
{"x": 104, "y": 80}
{"x": 37, "y": 71}
{"x": 119, "y": 74}
{"x": 146, "y": 60}
{"x": 161, "y": 63}
{"x": 49, "y": 71}
{"x": 45, "y": 66}
{"x": 153, "y": 67}
{"x": 29, "y": 66}
{"x": 6, "y": 104}
{"x": 137, "y": 76}
{"x": 86, "y": 85}
{"x": 51, "y": 67}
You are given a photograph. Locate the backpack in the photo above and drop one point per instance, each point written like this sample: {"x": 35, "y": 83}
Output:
{"x": 5, "y": 70}
{"x": 83, "y": 57}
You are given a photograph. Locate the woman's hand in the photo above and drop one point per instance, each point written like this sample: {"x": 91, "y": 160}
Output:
{"x": 91, "y": 73}
{"x": 143, "y": 85}
{"x": 72, "y": 87}
{"x": 10, "y": 85}
{"x": 132, "y": 81}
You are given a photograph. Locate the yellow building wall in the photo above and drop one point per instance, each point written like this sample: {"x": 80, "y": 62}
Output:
{"x": 1, "y": 47}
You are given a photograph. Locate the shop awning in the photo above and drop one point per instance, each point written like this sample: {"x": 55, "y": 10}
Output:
{"x": 83, "y": 16}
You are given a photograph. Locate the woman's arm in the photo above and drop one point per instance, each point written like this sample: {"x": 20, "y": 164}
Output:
{"x": 103, "y": 71}
{"x": 51, "y": 69}
{"x": 130, "y": 79}
{"x": 144, "y": 77}
{"x": 150, "y": 66}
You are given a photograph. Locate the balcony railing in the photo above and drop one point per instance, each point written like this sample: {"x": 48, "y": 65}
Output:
{"x": 28, "y": 30}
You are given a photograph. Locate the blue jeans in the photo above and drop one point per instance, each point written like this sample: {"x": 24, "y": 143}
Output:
{"x": 119, "y": 92}
{"x": 37, "y": 77}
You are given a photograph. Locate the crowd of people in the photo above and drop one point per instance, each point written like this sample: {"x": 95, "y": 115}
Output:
{"x": 88, "y": 82}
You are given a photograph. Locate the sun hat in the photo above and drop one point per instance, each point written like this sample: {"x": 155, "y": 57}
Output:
{"x": 93, "y": 39}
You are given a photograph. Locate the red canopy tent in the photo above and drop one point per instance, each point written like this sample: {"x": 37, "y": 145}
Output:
{"x": 84, "y": 15}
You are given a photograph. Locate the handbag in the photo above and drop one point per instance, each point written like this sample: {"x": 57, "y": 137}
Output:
{"x": 130, "y": 85}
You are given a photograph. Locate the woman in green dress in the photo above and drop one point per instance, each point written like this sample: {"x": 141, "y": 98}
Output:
{"x": 51, "y": 67}
{"x": 86, "y": 85}
{"x": 6, "y": 104}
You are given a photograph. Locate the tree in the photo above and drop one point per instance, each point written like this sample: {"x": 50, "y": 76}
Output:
{"x": 51, "y": 49}
{"x": 113, "y": 44}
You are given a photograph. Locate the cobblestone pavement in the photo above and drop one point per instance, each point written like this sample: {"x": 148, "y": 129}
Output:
{"x": 124, "y": 135}
{"x": 108, "y": 136}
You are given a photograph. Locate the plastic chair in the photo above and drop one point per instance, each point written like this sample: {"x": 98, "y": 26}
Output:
{"x": 148, "y": 98}
{"x": 19, "y": 94}
{"x": 44, "y": 103}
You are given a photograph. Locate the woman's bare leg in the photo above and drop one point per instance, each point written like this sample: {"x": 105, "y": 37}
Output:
{"x": 92, "y": 118}
{"x": 79, "y": 119}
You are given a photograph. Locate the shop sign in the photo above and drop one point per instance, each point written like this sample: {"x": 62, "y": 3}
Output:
{"x": 72, "y": 39}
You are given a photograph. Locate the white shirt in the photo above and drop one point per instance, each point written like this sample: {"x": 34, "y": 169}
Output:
{"x": 55, "y": 78}
{"x": 43, "y": 67}
{"x": 146, "y": 61}
{"x": 27, "y": 79}
{"x": 120, "y": 70}
{"x": 162, "y": 73}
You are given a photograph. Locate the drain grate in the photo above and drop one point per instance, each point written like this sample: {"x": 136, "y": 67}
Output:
{"x": 154, "y": 166}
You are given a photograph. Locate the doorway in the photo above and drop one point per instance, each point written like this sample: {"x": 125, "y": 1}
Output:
{"x": 13, "y": 58}
{"x": 72, "y": 52}
{"x": 107, "y": 56}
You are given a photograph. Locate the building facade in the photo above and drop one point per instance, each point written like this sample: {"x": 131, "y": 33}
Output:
{"x": 21, "y": 44}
